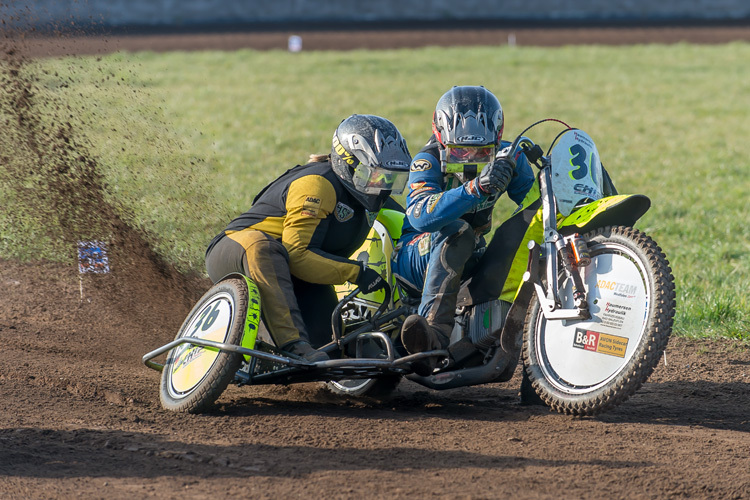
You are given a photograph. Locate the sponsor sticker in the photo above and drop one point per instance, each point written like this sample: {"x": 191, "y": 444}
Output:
{"x": 423, "y": 244}
{"x": 624, "y": 290}
{"x": 613, "y": 315}
{"x": 432, "y": 201}
{"x": 418, "y": 206}
{"x": 583, "y": 139}
{"x": 586, "y": 190}
{"x": 343, "y": 153}
{"x": 343, "y": 212}
{"x": 603, "y": 343}
{"x": 421, "y": 165}
{"x": 475, "y": 139}
{"x": 442, "y": 378}
{"x": 310, "y": 206}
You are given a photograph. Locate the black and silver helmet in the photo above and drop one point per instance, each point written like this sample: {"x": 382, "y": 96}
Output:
{"x": 468, "y": 123}
{"x": 371, "y": 158}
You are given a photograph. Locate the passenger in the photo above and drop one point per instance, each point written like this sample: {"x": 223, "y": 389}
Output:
{"x": 296, "y": 239}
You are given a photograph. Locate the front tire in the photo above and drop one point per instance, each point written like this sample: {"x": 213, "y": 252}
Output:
{"x": 194, "y": 377}
{"x": 587, "y": 367}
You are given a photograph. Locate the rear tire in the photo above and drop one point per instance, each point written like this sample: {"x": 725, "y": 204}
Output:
{"x": 373, "y": 387}
{"x": 194, "y": 377}
{"x": 587, "y": 367}
{"x": 377, "y": 387}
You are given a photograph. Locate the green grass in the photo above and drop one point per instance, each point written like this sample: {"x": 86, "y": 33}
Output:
{"x": 185, "y": 140}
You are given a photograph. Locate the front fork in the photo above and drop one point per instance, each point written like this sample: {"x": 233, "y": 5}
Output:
{"x": 554, "y": 252}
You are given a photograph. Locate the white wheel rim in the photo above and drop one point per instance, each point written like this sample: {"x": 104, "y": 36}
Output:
{"x": 579, "y": 357}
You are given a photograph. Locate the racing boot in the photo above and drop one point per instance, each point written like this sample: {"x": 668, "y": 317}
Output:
{"x": 304, "y": 350}
{"x": 418, "y": 335}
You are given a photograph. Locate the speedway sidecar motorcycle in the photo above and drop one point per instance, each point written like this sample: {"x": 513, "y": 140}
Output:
{"x": 586, "y": 308}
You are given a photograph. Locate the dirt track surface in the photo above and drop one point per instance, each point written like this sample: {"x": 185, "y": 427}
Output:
{"x": 390, "y": 39}
{"x": 81, "y": 418}
{"x": 80, "y": 415}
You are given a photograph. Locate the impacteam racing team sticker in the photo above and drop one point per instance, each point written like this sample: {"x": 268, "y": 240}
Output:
{"x": 603, "y": 343}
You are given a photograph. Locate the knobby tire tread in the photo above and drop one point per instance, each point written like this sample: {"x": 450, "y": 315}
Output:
{"x": 226, "y": 365}
{"x": 645, "y": 360}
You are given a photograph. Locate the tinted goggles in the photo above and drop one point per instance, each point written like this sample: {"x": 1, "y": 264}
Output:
{"x": 373, "y": 180}
{"x": 469, "y": 154}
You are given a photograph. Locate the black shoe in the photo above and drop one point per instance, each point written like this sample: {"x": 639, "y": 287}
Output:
{"x": 304, "y": 350}
{"x": 419, "y": 336}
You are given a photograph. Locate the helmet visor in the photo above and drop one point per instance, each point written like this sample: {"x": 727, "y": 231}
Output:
{"x": 373, "y": 180}
{"x": 469, "y": 154}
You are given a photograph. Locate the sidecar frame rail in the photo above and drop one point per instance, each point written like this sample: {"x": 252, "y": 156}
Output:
{"x": 329, "y": 369}
{"x": 294, "y": 369}
{"x": 220, "y": 346}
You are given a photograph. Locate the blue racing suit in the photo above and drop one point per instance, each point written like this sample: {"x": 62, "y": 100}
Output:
{"x": 443, "y": 232}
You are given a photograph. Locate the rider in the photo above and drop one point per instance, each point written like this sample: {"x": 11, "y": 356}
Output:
{"x": 454, "y": 182}
{"x": 295, "y": 240}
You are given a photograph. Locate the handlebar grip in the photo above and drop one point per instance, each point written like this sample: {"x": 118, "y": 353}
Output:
{"x": 533, "y": 154}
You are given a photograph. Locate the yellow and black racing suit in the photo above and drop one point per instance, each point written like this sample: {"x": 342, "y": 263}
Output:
{"x": 294, "y": 243}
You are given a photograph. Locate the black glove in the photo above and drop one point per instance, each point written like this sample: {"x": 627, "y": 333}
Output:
{"x": 496, "y": 176}
{"x": 369, "y": 280}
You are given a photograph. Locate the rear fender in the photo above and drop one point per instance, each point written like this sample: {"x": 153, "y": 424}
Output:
{"x": 619, "y": 210}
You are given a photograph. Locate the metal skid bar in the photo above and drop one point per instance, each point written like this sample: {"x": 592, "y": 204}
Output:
{"x": 347, "y": 363}
{"x": 221, "y": 347}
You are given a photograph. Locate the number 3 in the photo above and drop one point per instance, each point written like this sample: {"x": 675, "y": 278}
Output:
{"x": 578, "y": 159}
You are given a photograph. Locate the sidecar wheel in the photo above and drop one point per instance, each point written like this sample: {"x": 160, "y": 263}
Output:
{"x": 194, "y": 377}
{"x": 585, "y": 367}
{"x": 375, "y": 387}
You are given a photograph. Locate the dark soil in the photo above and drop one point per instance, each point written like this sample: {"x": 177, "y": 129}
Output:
{"x": 325, "y": 39}
{"x": 80, "y": 414}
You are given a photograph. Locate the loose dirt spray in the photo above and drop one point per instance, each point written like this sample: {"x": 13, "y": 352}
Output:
{"x": 54, "y": 196}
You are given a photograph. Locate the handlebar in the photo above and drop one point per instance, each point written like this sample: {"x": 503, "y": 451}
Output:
{"x": 533, "y": 151}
